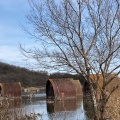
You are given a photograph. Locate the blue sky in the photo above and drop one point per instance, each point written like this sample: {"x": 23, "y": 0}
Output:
{"x": 12, "y": 14}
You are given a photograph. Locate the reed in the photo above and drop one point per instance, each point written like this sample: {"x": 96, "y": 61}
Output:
{"x": 10, "y": 112}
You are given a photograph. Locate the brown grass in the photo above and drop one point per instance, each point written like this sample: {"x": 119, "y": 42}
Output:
{"x": 9, "y": 112}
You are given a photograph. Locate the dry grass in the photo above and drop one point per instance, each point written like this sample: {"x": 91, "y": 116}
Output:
{"x": 19, "y": 114}
{"x": 8, "y": 111}
{"x": 11, "y": 113}
{"x": 113, "y": 111}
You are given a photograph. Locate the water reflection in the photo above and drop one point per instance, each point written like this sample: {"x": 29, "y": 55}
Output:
{"x": 71, "y": 109}
{"x": 66, "y": 109}
{"x": 58, "y": 110}
{"x": 63, "y": 105}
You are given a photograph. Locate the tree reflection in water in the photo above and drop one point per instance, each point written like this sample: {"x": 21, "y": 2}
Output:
{"x": 66, "y": 109}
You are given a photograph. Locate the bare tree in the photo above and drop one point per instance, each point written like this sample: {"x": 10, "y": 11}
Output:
{"x": 81, "y": 36}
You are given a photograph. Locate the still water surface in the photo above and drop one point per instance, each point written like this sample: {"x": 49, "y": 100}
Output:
{"x": 59, "y": 110}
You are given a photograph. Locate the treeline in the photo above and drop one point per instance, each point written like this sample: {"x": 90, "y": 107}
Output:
{"x": 10, "y": 73}
{"x": 67, "y": 75}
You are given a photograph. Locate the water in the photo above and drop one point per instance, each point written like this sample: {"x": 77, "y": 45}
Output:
{"x": 59, "y": 110}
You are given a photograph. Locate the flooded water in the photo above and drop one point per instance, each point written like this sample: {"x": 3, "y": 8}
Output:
{"x": 55, "y": 110}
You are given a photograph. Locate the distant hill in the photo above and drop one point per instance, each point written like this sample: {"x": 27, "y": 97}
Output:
{"x": 10, "y": 73}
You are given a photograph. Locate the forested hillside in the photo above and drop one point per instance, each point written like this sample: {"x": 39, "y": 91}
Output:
{"x": 10, "y": 73}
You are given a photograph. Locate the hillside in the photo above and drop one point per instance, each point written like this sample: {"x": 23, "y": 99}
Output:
{"x": 10, "y": 73}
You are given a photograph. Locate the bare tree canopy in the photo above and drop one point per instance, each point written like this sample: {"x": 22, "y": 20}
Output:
{"x": 77, "y": 35}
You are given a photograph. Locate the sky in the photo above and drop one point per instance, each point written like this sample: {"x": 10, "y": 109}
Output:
{"x": 12, "y": 15}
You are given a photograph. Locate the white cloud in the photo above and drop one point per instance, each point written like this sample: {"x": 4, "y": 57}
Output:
{"x": 12, "y": 13}
{"x": 10, "y": 53}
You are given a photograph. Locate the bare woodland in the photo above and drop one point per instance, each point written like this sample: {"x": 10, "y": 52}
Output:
{"x": 79, "y": 36}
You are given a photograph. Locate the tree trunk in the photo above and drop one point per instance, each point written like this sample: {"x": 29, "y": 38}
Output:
{"x": 96, "y": 111}
{"x": 95, "y": 106}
